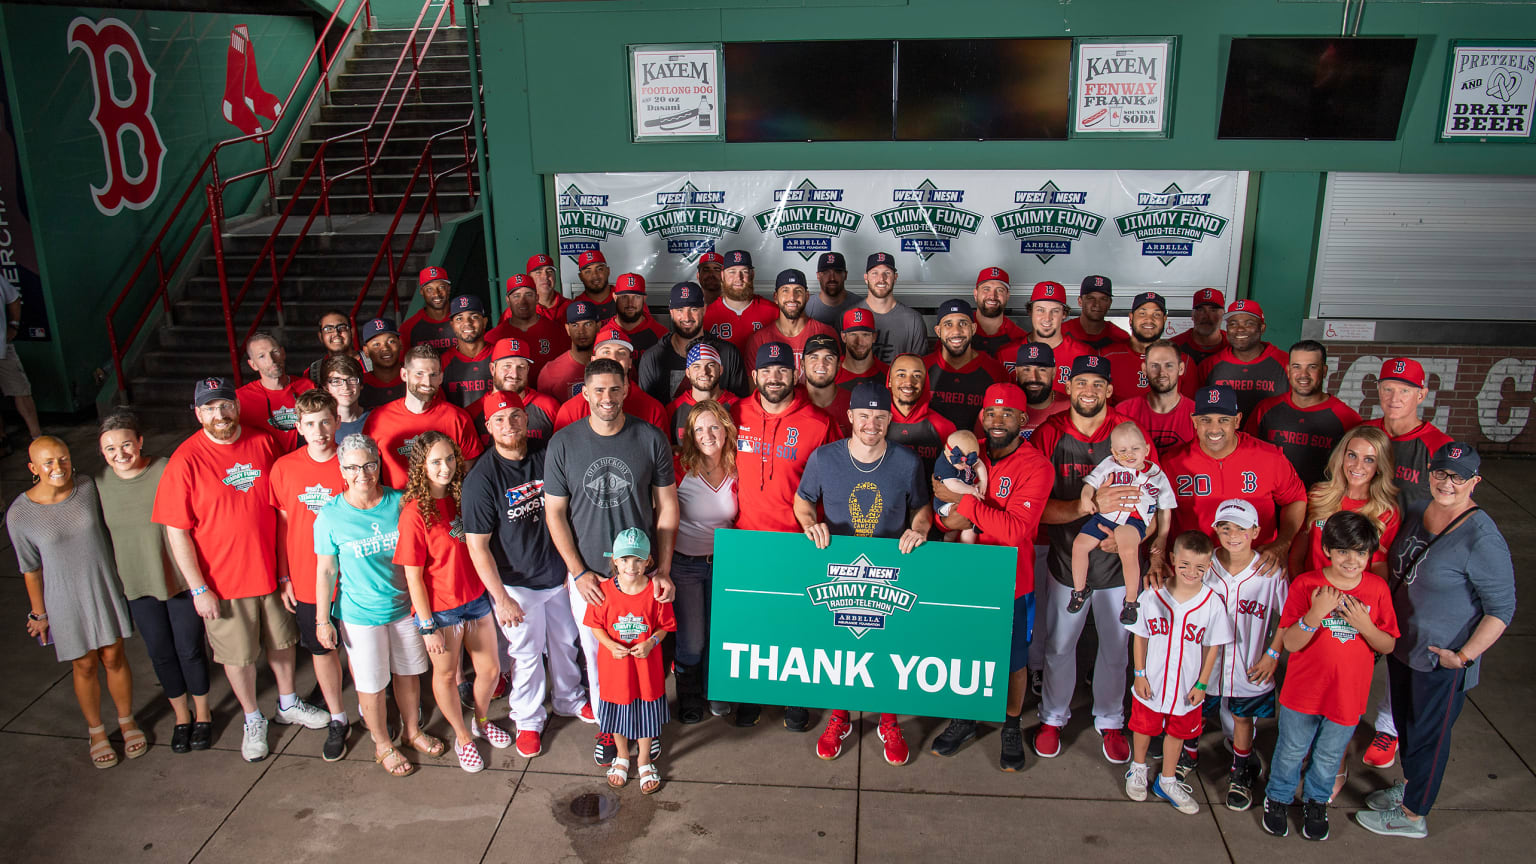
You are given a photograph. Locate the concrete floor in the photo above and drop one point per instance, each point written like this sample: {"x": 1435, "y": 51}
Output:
{"x": 731, "y": 794}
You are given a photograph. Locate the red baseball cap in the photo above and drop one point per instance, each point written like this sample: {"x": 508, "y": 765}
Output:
{"x": 612, "y": 333}
{"x": 521, "y": 280}
{"x": 498, "y": 401}
{"x": 711, "y": 258}
{"x": 629, "y": 283}
{"x": 1052, "y": 291}
{"x": 1244, "y": 307}
{"x": 858, "y": 319}
{"x": 505, "y": 348}
{"x": 590, "y": 257}
{"x": 539, "y": 260}
{"x": 992, "y": 274}
{"x": 1210, "y": 297}
{"x": 1404, "y": 369}
{"x": 1006, "y": 395}
{"x": 432, "y": 274}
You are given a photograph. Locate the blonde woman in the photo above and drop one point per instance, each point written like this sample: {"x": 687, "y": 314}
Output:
{"x": 706, "y": 497}
{"x": 1358, "y": 479}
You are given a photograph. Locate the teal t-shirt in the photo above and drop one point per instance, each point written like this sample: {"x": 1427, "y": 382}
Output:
{"x": 372, "y": 590}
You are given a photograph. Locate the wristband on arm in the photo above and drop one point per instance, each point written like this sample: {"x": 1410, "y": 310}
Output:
{"x": 1305, "y": 628}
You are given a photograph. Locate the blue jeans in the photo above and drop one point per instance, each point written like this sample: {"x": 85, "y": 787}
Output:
{"x": 692, "y": 577}
{"x": 1301, "y": 734}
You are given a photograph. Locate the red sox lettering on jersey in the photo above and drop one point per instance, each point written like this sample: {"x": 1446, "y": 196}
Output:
{"x": 116, "y": 116}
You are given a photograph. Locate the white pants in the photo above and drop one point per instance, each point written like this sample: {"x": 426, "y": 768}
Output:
{"x": 376, "y": 651}
{"x": 589, "y": 643}
{"x": 548, "y": 630}
{"x": 1383, "y": 704}
{"x": 1061, "y": 631}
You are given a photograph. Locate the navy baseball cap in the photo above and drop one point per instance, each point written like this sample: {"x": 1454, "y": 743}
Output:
{"x": 1036, "y": 354}
{"x": 466, "y": 303}
{"x": 822, "y": 342}
{"x": 1097, "y": 284}
{"x": 1216, "y": 399}
{"x": 580, "y": 310}
{"x": 1090, "y": 364}
{"x": 775, "y": 354}
{"x": 210, "y": 389}
{"x": 956, "y": 306}
{"x": 738, "y": 258}
{"x": 869, "y": 395}
{"x": 379, "y": 327}
{"x": 1458, "y": 457}
{"x": 879, "y": 259}
{"x": 686, "y": 295}
{"x": 1152, "y": 297}
{"x": 831, "y": 261}
{"x": 789, "y": 277}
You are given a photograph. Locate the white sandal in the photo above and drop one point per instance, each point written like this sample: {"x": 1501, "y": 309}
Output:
{"x": 619, "y": 771}
{"x": 648, "y": 773}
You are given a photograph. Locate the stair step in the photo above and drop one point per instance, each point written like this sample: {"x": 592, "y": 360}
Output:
{"x": 452, "y": 196}
{"x": 439, "y": 59}
{"x": 411, "y": 110}
{"x": 321, "y": 244}
{"x": 404, "y": 128}
{"x": 352, "y": 148}
{"x": 332, "y": 266}
{"x": 398, "y": 36}
{"x": 431, "y": 93}
{"x": 299, "y": 340}
{"x": 383, "y": 184}
{"x": 375, "y": 81}
{"x": 337, "y": 289}
{"x": 392, "y": 161}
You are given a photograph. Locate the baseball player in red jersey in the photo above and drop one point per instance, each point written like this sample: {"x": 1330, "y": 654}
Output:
{"x": 1034, "y": 371}
{"x": 395, "y": 426}
{"x": 704, "y": 374}
{"x": 432, "y": 325}
{"x": 467, "y": 365}
{"x": 1205, "y": 337}
{"x": 1094, "y": 298}
{"x": 267, "y": 402}
{"x": 1305, "y": 422}
{"x": 994, "y": 329}
{"x": 1149, "y": 314}
{"x": 1018, "y": 486}
{"x": 820, "y": 367}
{"x": 613, "y": 344}
{"x": 524, "y": 320}
{"x": 1165, "y": 412}
{"x": 859, "y": 360}
{"x": 1047, "y": 312}
{"x": 381, "y": 345}
{"x": 1251, "y": 367}
{"x": 708, "y": 275}
{"x": 958, "y": 374}
{"x": 512, "y": 372}
{"x": 793, "y": 326}
{"x": 739, "y": 312}
{"x": 594, "y": 281}
{"x": 561, "y": 377}
{"x": 914, "y": 421}
{"x": 632, "y": 316}
{"x": 546, "y": 284}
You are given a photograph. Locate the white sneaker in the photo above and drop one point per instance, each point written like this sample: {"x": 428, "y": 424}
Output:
{"x": 1136, "y": 783}
{"x": 253, "y": 747}
{"x": 1177, "y": 794}
{"x": 302, "y": 713}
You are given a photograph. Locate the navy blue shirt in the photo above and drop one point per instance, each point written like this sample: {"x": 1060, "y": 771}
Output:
{"x": 505, "y": 499}
{"x": 865, "y": 499}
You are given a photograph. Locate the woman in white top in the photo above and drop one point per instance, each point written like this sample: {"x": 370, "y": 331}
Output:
{"x": 706, "y": 495}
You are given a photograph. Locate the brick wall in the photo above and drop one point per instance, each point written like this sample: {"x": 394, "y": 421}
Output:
{"x": 1477, "y": 394}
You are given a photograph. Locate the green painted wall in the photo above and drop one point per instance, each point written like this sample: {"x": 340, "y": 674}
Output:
{"x": 86, "y": 256}
{"x": 556, "y": 89}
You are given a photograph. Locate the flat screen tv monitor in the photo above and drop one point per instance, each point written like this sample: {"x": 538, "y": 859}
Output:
{"x": 1001, "y": 89}
{"x": 808, "y": 91}
{"x": 1311, "y": 88}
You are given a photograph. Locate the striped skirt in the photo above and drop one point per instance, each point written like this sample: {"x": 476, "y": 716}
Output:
{"x": 639, "y": 719}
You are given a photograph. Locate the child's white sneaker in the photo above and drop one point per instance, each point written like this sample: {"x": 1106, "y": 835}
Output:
{"x": 1136, "y": 782}
{"x": 1175, "y": 793}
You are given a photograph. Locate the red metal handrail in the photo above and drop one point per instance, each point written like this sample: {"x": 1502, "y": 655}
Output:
{"x": 210, "y": 166}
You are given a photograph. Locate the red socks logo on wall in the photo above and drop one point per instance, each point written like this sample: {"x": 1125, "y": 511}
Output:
{"x": 243, "y": 96}
{"x": 118, "y": 114}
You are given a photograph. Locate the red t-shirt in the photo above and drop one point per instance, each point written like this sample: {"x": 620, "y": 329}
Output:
{"x": 1070, "y": 349}
{"x": 1316, "y": 560}
{"x": 1072, "y": 328}
{"x": 1331, "y": 675}
{"x": 546, "y": 338}
{"x": 562, "y": 377}
{"x": 737, "y": 327}
{"x": 450, "y": 574}
{"x": 629, "y": 618}
{"x": 421, "y": 329}
{"x": 219, "y": 493}
{"x": 1254, "y": 471}
{"x": 771, "y": 333}
{"x": 1034, "y": 417}
{"x": 300, "y": 487}
{"x": 637, "y": 403}
{"x": 556, "y": 313}
{"x": 393, "y": 427}
{"x": 272, "y": 411}
{"x": 846, "y": 380}
{"x": 1168, "y": 431}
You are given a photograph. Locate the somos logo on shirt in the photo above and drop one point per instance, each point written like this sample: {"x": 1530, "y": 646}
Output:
{"x": 526, "y": 501}
{"x": 861, "y": 595}
{"x": 242, "y": 476}
{"x": 608, "y": 482}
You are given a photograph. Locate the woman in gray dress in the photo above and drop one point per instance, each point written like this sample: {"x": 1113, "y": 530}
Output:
{"x": 63, "y": 551}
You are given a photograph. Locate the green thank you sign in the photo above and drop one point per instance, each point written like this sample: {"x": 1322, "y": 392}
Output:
{"x": 860, "y": 626}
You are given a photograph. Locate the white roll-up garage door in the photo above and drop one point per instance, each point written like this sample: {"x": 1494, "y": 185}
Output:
{"x": 1427, "y": 246}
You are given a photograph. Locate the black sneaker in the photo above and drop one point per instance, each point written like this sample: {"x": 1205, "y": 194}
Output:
{"x": 467, "y": 693}
{"x": 181, "y": 738}
{"x": 954, "y": 736}
{"x": 797, "y": 719}
{"x": 1275, "y": 818}
{"x": 1128, "y": 612}
{"x": 335, "y": 741}
{"x": 1239, "y": 794}
{"x": 1187, "y": 763}
{"x": 747, "y": 714}
{"x": 1036, "y": 681}
{"x": 202, "y": 736}
{"x": 604, "y": 751}
{"x": 1012, "y": 758}
{"x": 1079, "y": 599}
{"x": 1314, "y": 820}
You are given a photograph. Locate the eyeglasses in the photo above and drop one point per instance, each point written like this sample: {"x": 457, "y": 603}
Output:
{"x": 1456, "y": 479}
{"x": 343, "y": 382}
{"x": 366, "y": 467}
{"x": 328, "y": 329}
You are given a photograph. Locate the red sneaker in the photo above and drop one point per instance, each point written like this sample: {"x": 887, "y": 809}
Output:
{"x": 501, "y": 685}
{"x": 529, "y": 744}
{"x": 1116, "y": 749}
{"x": 1382, "y": 752}
{"x": 896, "y": 751}
{"x": 1048, "y": 741}
{"x": 830, "y": 744}
{"x": 585, "y": 715}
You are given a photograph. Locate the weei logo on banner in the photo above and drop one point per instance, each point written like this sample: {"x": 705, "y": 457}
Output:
{"x": 1490, "y": 91}
{"x": 807, "y": 218}
{"x": 860, "y": 626}
{"x": 1171, "y": 222}
{"x": 585, "y": 221}
{"x": 926, "y": 219}
{"x": 1048, "y": 221}
{"x": 691, "y": 221}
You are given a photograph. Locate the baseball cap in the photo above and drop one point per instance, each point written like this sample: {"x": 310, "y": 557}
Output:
{"x": 775, "y": 354}
{"x": 505, "y": 348}
{"x": 1404, "y": 369}
{"x": 869, "y": 395}
{"x": 1210, "y": 297}
{"x": 858, "y": 319}
{"x": 686, "y": 295}
{"x": 822, "y": 342}
{"x": 612, "y": 333}
{"x": 992, "y": 274}
{"x": 465, "y": 303}
{"x": 737, "y": 258}
{"x": 580, "y": 310}
{"x": 789, "y": 277}
{"x": 1036, "y": 354}
{"x": 879, "y": 259}
{"x": 1146, "y": 297}
{"x": 537, "y": 261}
{"x": 703, "y": 351}
{"x": 1048, "y": 290}
{"x": 210, "y": 389}
{"x": 956, "y": 306}
{"x": 498, "y": 401}
{"x": 711, "y": 258}
{"x": 378, "y": 327}
{"x": 831, "y": 261}
{"x": 1216, "y": 399}
{"x": 1238, "y": 512}
{"x": 629, "y": 283}
{"x": 519, "y": 280}
{"x": 1005, "y": 395}
{"x": 432, "y": 274}
{"x": 631, "y": 543}
{"x": 590, "y": 257}
{"x": 1244, "y": 307}
{"x": 1458, "y": 457}
{"x": 1090, "y": 364}
{"x": 1097, "y": 284}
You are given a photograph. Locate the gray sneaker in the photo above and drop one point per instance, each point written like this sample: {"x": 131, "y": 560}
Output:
{"x": 253, "y": 746}
{"x": 1383, "y": 800}
{"x": 1393, "y": 823}
{"x": 303, "y": 714}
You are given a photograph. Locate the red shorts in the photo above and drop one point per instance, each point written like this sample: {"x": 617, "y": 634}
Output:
{"x": 1185, "y": 727}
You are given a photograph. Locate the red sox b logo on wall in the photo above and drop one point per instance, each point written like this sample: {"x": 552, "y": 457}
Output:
{"x": 121, "y": 119}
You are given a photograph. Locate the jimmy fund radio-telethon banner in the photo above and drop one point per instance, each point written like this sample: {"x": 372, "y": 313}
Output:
{"x": 1170, "y": 231}
{"x": 860, "y": 626}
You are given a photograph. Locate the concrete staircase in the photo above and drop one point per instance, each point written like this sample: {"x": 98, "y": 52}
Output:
{"x": 331, "y": 265}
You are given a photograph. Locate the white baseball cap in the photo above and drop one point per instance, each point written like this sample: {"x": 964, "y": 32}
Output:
{"x": 1238, "y": 512}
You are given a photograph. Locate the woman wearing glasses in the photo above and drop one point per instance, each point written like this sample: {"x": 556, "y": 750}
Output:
{"x": 355, "y": 537}
{"x": 1453, "y": 586}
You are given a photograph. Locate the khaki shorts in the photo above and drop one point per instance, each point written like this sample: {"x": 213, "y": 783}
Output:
{"x": 13, "y": 378}
{"x": 247, "y": 624}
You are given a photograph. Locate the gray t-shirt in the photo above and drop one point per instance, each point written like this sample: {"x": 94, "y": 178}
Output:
{"x": 865, "y": 499}
{"x": 832, "y": 316}
{"x": 608, "y": 481}
{"x": 8, "y": 295}
{"x": 899, "y": 331}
